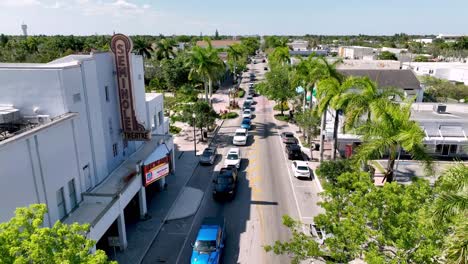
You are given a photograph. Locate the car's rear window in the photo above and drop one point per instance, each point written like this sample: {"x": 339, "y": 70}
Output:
{"x": 240, "y": 134}
{"x": 232, "y": 157}
{"x": 304, "y": 168}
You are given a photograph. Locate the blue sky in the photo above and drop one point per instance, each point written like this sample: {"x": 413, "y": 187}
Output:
{"x": 378, "y": 17}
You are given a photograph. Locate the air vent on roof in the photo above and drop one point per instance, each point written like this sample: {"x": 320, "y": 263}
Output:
{"x": 440, "y": 108}
{"x": 8, "y": 114}
{"x": 38, "y": 119}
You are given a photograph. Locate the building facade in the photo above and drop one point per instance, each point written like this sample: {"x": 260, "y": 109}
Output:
{"x": 64, "y": 141}
{"x": 450, "y": 71}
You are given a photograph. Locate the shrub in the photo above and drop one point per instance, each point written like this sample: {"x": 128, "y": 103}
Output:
{"x": 229, "y": 115}
{"x": 240, "y": 93}
{"x": 174, "y": 130}
{"x": 282, "y": 117}
{"x": 277, "y": 107}
{"x": 330, "y": 170}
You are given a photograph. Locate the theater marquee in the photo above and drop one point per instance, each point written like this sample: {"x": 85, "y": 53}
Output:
{"x": 121, "y": 46}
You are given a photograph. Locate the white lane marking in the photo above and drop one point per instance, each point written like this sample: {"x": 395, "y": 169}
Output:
{"x": 290, "y": 176}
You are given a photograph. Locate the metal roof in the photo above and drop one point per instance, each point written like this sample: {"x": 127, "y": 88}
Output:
{"x": 404, "y": 79}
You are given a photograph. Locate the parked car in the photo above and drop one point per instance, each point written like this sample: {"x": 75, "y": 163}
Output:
{"x": 246, "y": 123}
{"x": 247, "y": 113}
{"x": 209, "y": 244}
{"x": 288, "y": 138}
{"x": 246, "y": 105}
{"x": 208, "y": 156}
{"x": 249, "y": 99}
{"x": 233, "y": 158}
{"x": 251, "y": 85}
{"x": 300, "y": 169}
{"x": 240, "y": 137}
{"x": 318, "y": 234}
{"x": 225, "y": 183}
{"x": 293, "y": 151}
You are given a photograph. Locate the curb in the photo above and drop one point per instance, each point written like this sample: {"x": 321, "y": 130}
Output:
{"x": 140, "y": 259}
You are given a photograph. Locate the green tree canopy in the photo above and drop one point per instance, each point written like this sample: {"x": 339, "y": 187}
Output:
{"x": 387, "y": 55}
{"x": 23, "y": 239}
{"x": 277, "y": 85}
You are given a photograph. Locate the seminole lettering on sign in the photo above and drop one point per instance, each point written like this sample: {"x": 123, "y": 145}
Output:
{"x": 121, "y": 46}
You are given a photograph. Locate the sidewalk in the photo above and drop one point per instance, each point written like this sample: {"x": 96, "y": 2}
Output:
{"x": 162, "y": 206}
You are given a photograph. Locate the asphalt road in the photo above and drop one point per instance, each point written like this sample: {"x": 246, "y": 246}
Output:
{"x": 266, "y": 191}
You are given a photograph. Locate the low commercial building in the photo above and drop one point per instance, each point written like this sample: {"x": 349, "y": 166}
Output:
{"x": 218, "y": 44}
{"x": 445, "y": 127}
{"x": 450, "y": 71}
{"x": 356, "y": 52}
{"x": 80, "y": 135}
{"x": 299, "y": 45}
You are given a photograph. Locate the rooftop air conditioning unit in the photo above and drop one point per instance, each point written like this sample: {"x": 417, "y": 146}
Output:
{"x": 440, "y": 108}
{"x": 38, "y": 119}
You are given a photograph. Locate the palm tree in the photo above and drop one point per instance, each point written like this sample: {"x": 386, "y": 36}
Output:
{"x": 205, "y": 64}
{"x": 280, "y": 55}
{"x": 165, "y": 49}
{"x": 142, "y": 47}
{"x": 452, "y": 199}
{"x": 234, "y": 53}
{"x": 330, "y": 91}
{"x": 451, "y": 206}
{"x": 364, "y": 100}
{"x": 389, "y": 133}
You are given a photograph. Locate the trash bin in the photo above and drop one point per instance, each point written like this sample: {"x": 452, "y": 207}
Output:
{"x": 317, "y": 147}
{"x": 205, "y": 134}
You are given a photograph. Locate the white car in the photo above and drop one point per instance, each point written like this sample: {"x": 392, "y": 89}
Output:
{"x": 318, "y": 234}
{"x": 240, "y": 137}
{"x": 249, "y": 99}
{"x": 233, "y": 158}
{"x": 300, "y": 169}
{"x": 247, "y": 113}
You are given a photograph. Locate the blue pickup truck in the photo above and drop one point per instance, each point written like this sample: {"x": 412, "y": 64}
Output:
{"x": 209, "y": 244}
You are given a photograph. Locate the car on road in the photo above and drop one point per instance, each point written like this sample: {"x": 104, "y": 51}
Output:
{"x": 208, "y": 156}
{"x": 240, "y": 137}
{"x": 288, "y": 138}
{"x": 293, "y": 151}
{"x": 233, "y": 158}
{"x": 246, "y": 123}
{"x": 247, "y": 113}
{"x": 251, "y": 85}
{"x": 225, "y": 183}
{"x": 301, "y": 169}
{"x": 209, "y": 244}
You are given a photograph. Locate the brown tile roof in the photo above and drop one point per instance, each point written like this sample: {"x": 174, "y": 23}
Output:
{"x": 218, "y": 43}
{"x": 396, "y": 78}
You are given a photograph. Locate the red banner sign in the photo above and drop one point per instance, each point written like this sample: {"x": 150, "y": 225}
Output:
{"x": 156, "y": 170}
{"x": 121, "y": 46}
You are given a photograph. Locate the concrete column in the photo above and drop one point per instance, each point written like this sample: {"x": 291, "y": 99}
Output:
{"x": 142, "y": 204}
{"x": 122, "y": 231}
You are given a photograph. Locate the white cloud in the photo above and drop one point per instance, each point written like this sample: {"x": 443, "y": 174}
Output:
{"x": 57, "y": 5}
{"x": 19, "y": 3}
{"x": 117, "y": 8}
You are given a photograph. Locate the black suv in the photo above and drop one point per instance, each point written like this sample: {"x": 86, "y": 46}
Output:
{"x": 293, "y": 151}
{"x": 225, "y": 183}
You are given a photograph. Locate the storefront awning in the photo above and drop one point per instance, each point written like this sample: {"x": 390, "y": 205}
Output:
{"x": 160, "y": 152}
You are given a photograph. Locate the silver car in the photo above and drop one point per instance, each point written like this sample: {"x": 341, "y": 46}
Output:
{"x": 208, "y": 156}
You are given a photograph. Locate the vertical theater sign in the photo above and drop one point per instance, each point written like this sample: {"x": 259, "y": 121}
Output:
{"x": 132, "y": 130}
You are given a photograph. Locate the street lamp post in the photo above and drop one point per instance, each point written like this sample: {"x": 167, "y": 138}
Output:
{"x": 194, "y": 136}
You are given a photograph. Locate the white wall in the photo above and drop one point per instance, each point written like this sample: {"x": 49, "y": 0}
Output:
{"x": 35, "y": 166}
{"x": 27, "y": 88}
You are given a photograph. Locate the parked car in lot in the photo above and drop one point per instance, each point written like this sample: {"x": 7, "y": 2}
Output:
{"x": 300, "y": 169}
{"x": 225, "y": 183}
{"x": 288, "y": 138}
{"x": 208, "y": 156}
{"x": 240, "y": 137}
{"x": 209, "y": 244}
{"x": 233, "y": 158}
{"x": 247, "y": 113}
{"x": 293, "y": 151}
{"x": 246, "y": 123}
